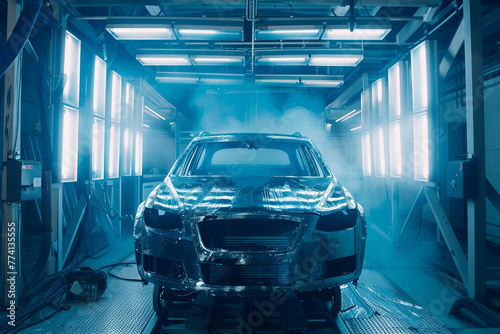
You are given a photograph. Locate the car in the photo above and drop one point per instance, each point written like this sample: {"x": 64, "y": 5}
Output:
{"x": 247, "y": 214}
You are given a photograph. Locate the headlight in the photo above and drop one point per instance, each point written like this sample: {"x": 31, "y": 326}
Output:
{"x": 162, "y": 220}
{"x": 351, "y": 203}
{"x": 333, "y": 199}
{"x": 165, "y": 197}
{"x": 337, "y": 221}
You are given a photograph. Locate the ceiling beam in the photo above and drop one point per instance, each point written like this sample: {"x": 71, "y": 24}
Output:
{"x": 411, "y": 27}
{"x": 224, "y": 3}
{"x": 451, "y": 53}
{"x": 341, "y": 10}
{"x": 349, "y": 93}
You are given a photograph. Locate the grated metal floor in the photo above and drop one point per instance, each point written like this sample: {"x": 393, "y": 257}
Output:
{"x": 125, "y": 307}
{"x": 382, "y": 307}
{"x": 377, "y": 306}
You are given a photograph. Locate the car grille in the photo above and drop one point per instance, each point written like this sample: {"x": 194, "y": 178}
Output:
{"x": 247, "y": 275}
{"x": 248, "y": 234}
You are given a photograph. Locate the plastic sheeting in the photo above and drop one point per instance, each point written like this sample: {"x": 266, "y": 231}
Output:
{"x": 275, "y": 194}
{"x": 365, "y": 301}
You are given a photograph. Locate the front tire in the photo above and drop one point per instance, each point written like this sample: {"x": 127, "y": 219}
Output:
{"x": 160, "y": 297}
{"x": 337, "y": 301}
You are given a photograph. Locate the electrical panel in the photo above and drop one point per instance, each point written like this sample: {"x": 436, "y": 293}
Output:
{"x": 462, "y": 179}
{"x": 24, "y": 180}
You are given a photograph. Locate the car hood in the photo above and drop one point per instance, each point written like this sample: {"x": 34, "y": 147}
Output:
{"x": 206, "y": 195}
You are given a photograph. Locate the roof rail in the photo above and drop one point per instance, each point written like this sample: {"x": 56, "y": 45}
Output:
{"x": 204, "y": 134}
{"x": 298, "y": 134}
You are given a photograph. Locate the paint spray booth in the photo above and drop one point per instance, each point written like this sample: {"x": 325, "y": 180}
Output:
{"x": 250, "y": 166}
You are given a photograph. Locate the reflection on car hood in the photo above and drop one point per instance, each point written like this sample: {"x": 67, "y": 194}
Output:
{"x": 276, "y": 194}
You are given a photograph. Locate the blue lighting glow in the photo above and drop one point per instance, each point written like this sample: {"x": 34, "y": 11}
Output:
{"x": 421, "y": 146}
{"x": 282, "y": 60}
{"x": 395, "y": 148}
{"x": 138, "y": 33}
{"x": 357, "y": 34}
{"x": 288, "y": 34}
{"x": 367, "y": 156}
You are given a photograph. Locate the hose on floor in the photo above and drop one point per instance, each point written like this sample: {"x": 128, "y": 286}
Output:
{"x": 475, "y": 312}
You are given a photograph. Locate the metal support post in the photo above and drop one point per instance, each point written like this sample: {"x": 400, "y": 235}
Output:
{"x": 476, "y": 208}
{"x": 447, "y": 231}
{"x": 11, "y": 212}
{"x": 395, "y": 209}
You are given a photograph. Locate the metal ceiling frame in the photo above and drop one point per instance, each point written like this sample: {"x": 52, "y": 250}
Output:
{"x": 263, "y": 3}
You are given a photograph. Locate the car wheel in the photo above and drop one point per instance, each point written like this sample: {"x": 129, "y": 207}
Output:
{"x": 160, "y": 297}
{"x": 337, "y": 301}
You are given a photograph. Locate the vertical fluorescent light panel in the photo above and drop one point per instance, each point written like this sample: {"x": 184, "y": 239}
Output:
{"x": 138, "y": 154}
{"x": 99, "y": 100}
{"x": 128, "y": 116}
{"x": 116, "y": 97}
{"x": 367, "y": 156}
{"x": 71, "y": 90}
{"x": 379, "y": 154}
{"x": 395, "y": 97}
{"x": 365, "y": 109}
{"x": 421, "y": 146}
{"x": 128, "y": 146}
{"x": 395, "y": 148}
{"x": 98, "y": 139}
{"x": 378, "y": 100}
{"x": 420, "y": 93}
{"x": 98, "y": 125}
{"x": 69, "y": 166}
{"x": 419, "y": 77}
{"x": 114, "y": 151}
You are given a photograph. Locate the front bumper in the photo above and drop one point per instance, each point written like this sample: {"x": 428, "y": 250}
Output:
{"x": 316, "y": 260}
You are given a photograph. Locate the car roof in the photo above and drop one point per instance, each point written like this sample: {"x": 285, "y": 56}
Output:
{"x": 208, "y": 137}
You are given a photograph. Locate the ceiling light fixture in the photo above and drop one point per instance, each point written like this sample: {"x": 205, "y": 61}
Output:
{"x": 163, "y": 60}
{"x": 322, "y": 83}
{"x": 287, "y": 34}
{"x": 153, "y": 113}
{"x": 283, "y": 60}
{"x": 218, "y": 60}
{"x": 138, "y": 32}
{"x": 357, "y": 34}
{"x": 300, "y": 80}
{"x": 335, "y": 60}
{"x": 346, "y": 116}
{"x": 200, "y": 78}
{"x": 219, "y": 33}
{"x": 356, "y": 128}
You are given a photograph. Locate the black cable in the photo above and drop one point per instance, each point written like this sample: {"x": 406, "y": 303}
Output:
{"x": 57, "y": 310}
{"x": 111, "y": 266}
{"x": 108, "y": 201}
{"x": 105, "y": 202}
{"x": 124, "y": 278}
{"x": 49, "y": 293}
{"x": 116, "y": 264}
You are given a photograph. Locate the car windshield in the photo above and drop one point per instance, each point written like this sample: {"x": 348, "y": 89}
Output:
{"x": 252, "y": 158}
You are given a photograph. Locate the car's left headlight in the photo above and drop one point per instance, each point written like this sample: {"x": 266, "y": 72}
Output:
{"x": 162, "y": 220}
